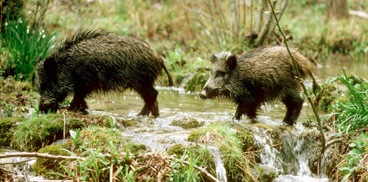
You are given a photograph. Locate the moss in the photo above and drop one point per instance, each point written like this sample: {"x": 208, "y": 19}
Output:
{"x": 177, "y": 149}
{"x": 266, "y": 174}
{"x": 100, "y": 137}
{"x": 128, "y": 123}
{"x": 137, "y": 148}
{"x": 37, "y": 132}
{"x": 197, "y": 82}
{"x": 194, "y": 135}
{"x": 187, "y": 123}
{"x": 43, "y": 167}
{"x": 6, "y": 129}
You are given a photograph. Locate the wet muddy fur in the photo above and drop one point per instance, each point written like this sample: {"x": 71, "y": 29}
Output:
{"x": 95, "y": 60}
{"x": 260, "y": 75}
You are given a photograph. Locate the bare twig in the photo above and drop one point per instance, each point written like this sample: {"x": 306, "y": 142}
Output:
{"x": 283, "y": 5}
{"x": 323, "y": 144}
{"x": 337, "y": 140}
{"x": 111, "y": 172}
{"x": 262, "y": 35}
{"x": 39, "y": 155}
{"x": 218, "y": 35}
{"x": 261, "y": 5}
{"x": 59, "y": 157}
{"x": 203, "y": 171}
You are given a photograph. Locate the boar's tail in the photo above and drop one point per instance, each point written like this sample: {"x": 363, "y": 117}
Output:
{"x": 306, "y": 68}
{"x": 171, "y": 83}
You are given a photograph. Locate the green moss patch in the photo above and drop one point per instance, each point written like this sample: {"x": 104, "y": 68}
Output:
{"x": 7, "y": 126}
{"x": 37, "y": 132}
{"x": 187, "y": 123}
{"x": 43, "y": 167}
{"x": 231, "y": 145}
{"x": 197, "y": 82}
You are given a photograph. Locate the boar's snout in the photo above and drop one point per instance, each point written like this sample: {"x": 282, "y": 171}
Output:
{"x": 203, "y": 94}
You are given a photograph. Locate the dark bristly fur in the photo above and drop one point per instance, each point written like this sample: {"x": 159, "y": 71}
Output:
{"x": 96, "y": 60}
{"x": 259, "y": 75}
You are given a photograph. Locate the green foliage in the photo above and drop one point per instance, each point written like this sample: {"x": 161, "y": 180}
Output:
{"x": 359, "y": 149}
{"x": 187, "y": 123}
{"x": 182, "y": 172}
{"x": 353, "y": 113}
{"x": 46, "y": 167}
{"x": 230, "y": 145}
{"x": 7, "y": 126}
{"x": 197, "y": 82}
{"x": 7, "y": 109}
{"x": 100, "y": 137}
{"x": 37, "y": 132}
{"x": 15, "y": 97}
{"x": 22, "y": 44}
{"x": 98, "y": 163}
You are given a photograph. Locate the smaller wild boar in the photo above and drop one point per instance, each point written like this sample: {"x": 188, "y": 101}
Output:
{"x": 260, "y": 75}
{"x": 99, "y": 61}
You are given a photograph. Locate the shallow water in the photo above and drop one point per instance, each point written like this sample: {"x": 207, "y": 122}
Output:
{"x": 175, "y": 106}
{"x": 334, "y": 65}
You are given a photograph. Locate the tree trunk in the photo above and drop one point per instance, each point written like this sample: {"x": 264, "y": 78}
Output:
{"x": 337, "y": 9}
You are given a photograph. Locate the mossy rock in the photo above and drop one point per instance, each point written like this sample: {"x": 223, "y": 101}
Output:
{"x": 327, "y": 96}
{"x": 43, "y": 167}
{"x": 100, "y": 137}
{"x": 7, "y": 126}
{"x": 129, "y": 123}
{"x": 197, "y": 82}
{"x": 177, "y": 149}
{"x": 194, "y": 135}
{"x": 265, "y": 173}
{"x": 137, "y": 148}
{"x": 37, "y": 132}
{"x": 187, "y": 123}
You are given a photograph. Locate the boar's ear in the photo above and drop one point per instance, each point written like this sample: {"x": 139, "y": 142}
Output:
{"x": 50, "y": 66}
{"x": 213, "y": 58}
{"x": 231, "y": 62}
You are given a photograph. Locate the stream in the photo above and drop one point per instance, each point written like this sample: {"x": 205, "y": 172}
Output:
{"x": 290, "y": 161}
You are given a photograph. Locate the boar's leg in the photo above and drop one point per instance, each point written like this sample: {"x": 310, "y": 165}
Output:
{"x": 294, "y": 105}
{"x": 78, "y": 103}
{"x": 149, "y": 95}
{"x": 246, "y": 108}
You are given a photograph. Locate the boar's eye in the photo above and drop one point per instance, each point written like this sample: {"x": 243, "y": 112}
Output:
{"x": 220, "y": 73}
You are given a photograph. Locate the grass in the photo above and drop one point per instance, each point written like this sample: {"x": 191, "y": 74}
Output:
{"x": 353, "y": 113}
{"x": 356, "y": 159}
{"x": 39, "y": 131}
{"x": 188, "y": 32}
{"x": 230, "y": 146}
{"x": 22, "y": 44}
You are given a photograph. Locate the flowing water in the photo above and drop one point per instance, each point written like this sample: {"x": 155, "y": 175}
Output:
{"x": 290, "y": 161}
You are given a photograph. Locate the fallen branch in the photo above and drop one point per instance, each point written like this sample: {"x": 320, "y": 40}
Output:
{"x": 203, "y": 171}
{"x": 337, "y": 140}
{"x": 35, "y": 154}
{"x": 60, "y": 157}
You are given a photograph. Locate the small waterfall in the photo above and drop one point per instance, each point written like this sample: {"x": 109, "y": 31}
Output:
{"x": 220, "y": 169}
{"x": 291, "y": 160}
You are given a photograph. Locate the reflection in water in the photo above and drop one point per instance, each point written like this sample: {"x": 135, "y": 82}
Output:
{"x": 129, "y": 103}
{"x": 332, "y": 66}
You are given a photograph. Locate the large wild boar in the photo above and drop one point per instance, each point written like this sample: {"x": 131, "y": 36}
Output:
{"x": 258, "y": 76}
{"x": 96, "y": 60}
